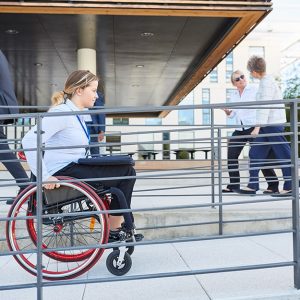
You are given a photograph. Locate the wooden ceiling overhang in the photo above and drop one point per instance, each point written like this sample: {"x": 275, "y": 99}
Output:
{"x": 247, "y": 14}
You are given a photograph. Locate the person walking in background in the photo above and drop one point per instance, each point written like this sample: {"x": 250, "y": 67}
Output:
{"x": 7, "y": 100}
{"x": 96, "y": 125}
{"x": 246, "y": 118}
{"x": 272, "y": 115}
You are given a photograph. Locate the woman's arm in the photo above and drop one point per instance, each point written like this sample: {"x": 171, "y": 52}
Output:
{"x": 50, "y": 126}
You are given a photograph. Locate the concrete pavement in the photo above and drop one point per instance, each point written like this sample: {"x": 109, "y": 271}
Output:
{"x": 276, "y": 283}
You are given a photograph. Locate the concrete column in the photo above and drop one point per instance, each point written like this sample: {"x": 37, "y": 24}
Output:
{"x": 86, "y": 59}
{"x": 86, "y": 53}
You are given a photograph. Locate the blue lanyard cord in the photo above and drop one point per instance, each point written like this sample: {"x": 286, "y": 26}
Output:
{"x": 84, "y": 128}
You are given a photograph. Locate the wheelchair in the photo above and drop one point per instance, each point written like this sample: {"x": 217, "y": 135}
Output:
{"x": 73, "y": 225}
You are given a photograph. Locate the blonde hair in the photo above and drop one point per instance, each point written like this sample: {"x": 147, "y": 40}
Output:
{"x": 76, "y": 80}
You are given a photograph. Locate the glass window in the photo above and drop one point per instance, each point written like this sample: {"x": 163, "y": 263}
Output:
{"x": 186, "y": 116}
{"x": 24, "y": 121}
{"x": 120, "y": 121}
{"x": 115, "y": 138}
{"x": 145, "y": 150}
{"x": 229, "y": 92}
{"x": 166, "y": 146}
{"x": 229, "y": 121}
{"x": 206, "y": 111}
{"x": 257, "y": 50}
{"x": 229, "y": 66}
{"x": 214, "y": 75}
{"x": 153, "y": 121}
{"x": 186, "y": 139}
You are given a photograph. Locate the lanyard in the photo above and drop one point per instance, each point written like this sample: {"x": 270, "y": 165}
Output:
{"x": 84, "y": 128}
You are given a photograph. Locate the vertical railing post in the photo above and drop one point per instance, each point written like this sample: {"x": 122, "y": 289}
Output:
{"x": 39, "y": 208}
{"x": 23, "y": 128}
{"x": 220, "y": 181}
{"x": 212, "y": 158}
{"x": 295, "y": 191}
{"x": 15, "y": 124}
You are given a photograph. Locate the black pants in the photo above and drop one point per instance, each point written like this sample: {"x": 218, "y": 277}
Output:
{"x": 89, "y": 171}
{"x": 235, "y": 147}
{"x": 9, "y": 160}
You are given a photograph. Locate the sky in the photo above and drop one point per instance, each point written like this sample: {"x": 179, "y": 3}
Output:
{"x": 282, "y": 24}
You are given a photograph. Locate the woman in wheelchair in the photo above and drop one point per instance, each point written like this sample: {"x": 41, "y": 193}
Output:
{"x": 80, "y": 93}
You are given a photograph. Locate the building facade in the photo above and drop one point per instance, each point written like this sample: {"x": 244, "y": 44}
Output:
{"x": 176, "y": 131}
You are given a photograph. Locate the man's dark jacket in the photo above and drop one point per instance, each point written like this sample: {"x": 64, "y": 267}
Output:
{"x": 97, "y": 118}
{"x": 7, "y": 94}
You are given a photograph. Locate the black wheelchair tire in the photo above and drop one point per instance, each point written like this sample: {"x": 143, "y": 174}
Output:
{"x": 112, "y": 260}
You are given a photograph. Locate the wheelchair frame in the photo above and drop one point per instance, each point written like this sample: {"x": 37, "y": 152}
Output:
{"x": 72, "y": 228}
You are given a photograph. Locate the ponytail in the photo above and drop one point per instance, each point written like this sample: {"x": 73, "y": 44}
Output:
{"x": 57, "y": 98}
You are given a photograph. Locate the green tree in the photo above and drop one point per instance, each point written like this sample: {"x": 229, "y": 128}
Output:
{"x": 183, "y": 154}
{"x": 292, "y": 91}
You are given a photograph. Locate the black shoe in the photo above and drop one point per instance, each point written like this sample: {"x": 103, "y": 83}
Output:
{"x": 247, "y": 192}
{"x": 116, "y": 236}
{"x": 282, "y": 194}
{"x": 270, "y": 192}
{"x": 10, "y": 201}
{"x": 138, "y": 237}
{"x": 227, "y": 190}
{"x": 120, "y": 236}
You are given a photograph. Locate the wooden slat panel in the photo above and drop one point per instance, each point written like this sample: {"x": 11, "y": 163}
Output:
{"x": 159, "y": 8}
{"x": 172, "y": 2}
{"x": 192, "y": 12}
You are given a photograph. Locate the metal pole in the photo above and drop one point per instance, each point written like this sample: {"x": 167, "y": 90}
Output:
{"x": 15, "y": 124}
{"x": 212, "y": 158}
{"x": 39, "y": 209}
{"x": 295, "y": 191}
{"x": 220, "y": 182}
{"x": 23, "y": 127}
{"x": 72, "y": 244}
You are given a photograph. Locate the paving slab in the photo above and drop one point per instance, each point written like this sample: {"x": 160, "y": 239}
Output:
{"x": 265, "y": 284}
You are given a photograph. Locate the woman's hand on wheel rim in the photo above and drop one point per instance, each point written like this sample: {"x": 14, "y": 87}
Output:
{"x": 51, "y": 186}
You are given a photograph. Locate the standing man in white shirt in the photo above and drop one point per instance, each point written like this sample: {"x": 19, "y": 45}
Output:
{"x": 246, "y": 118}
{"x": 274, "y": 117}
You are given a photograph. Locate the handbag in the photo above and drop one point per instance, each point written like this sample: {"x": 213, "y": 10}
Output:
{"x": 111, "y": 160}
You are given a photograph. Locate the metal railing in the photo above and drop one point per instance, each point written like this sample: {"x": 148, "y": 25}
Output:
{"x": 196, "y": 187}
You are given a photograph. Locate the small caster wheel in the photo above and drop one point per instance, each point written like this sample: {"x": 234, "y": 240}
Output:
{"x": 112, "y": 263}
{"x": 130, "y": 250}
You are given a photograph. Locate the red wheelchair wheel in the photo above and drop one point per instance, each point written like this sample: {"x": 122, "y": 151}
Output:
{"x": 72, "y": 233}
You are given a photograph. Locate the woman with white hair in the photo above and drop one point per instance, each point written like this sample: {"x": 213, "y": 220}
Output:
{"x": 274, "y": 117}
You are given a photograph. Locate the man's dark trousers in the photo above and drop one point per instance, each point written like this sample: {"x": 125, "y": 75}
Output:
{"x": 9, "y": 160}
